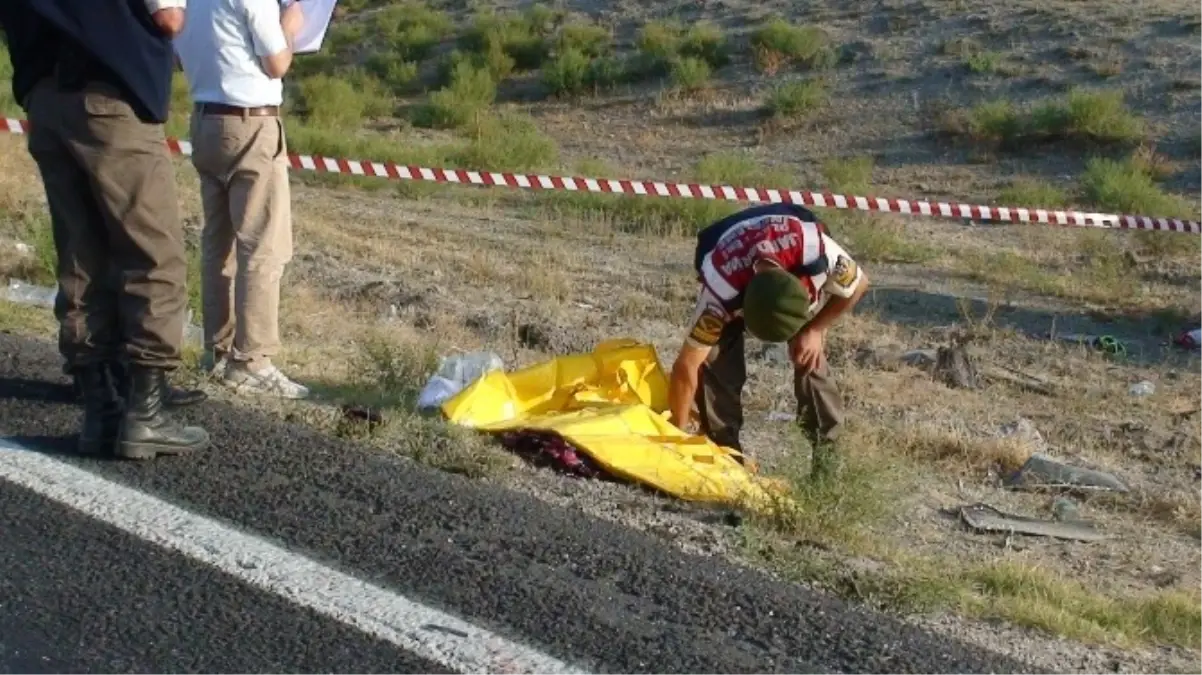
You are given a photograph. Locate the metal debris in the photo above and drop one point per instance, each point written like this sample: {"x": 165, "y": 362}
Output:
{"x": 985, "y": 518}
{"x": 1041, "y": 471}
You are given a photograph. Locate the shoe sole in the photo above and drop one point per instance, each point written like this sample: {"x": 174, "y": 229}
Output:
{"x": 144, "y": 451}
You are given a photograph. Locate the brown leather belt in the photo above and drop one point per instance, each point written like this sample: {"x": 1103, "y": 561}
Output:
{"x": 237, "y": 111}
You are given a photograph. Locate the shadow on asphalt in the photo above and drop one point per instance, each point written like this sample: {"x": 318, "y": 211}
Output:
{"x": 39, "y": 391}
{"x": 47, "y": 445}
{"x": 22, "y": 389}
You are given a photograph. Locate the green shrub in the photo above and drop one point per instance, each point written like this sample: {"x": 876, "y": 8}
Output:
{"x": 1123, "y": 187}
{"x": 690, "y": 74}
{"x": 734, "y": 168}
{"x": 507, "y": 143}
{"x": 607, "y": 71}
{"x": 853, "y": 174}
{"x": 6, "y": 64}
{"x": 659, "y": 39}
{"x": 343, "y": 37}
{"x": 796, "y": 100}
{"x": 494, "y": 60}
{"x": 524, "y": 38}
{"x": 1101, "y": 117}
{"x": 411, "y": 30}
{"x": 591, "y": 40}
{"x": 470, "y": 92}
{"x": 341, "y": 102}
{"x": 778, "y": 42}
{"x": 393, "y": 71}
{"x": 567, "y": 73}
{"x": 658, "y": 44}
{"x": 1028, "y": 193}
{"x": 1082, "y": 117}
{"x": 705, "y": 41}
{"x": 997, "y": 122}
{"x": 983, "y": 63}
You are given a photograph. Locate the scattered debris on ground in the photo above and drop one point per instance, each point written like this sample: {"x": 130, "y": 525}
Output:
{"x": 985, "y": 518}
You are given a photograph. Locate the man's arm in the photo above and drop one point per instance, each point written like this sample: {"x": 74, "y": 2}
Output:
{"x": 837, "y": 306}
{"x": 684, "y": 380}
{"x": 168, "y": 15}
{"x": 273, "y": 33}
{"x": 845, "y": 285}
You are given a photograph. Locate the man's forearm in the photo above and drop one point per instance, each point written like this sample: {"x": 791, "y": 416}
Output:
{"x": 681, "y": 392}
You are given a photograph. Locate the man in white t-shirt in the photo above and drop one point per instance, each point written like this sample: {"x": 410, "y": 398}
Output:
{"x": 774, "y": 272}
{"x": 234, "y": 54}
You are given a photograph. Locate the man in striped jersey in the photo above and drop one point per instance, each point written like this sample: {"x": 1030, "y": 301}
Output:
{"x": 774, "y": 272}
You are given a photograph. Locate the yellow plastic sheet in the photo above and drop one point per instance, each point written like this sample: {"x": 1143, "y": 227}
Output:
{"x": 610, "y": 404}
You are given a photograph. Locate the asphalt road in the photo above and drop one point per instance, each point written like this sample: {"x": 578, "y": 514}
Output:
{"x": 103, "y": 585}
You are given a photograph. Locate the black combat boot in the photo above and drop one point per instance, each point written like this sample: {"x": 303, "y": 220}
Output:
{"x": 101, "y": 409}
{"x": 146, "y": 430}
{"x": 176, "y": 396}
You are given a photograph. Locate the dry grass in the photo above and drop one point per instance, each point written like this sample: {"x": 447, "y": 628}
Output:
{"x": 388, "y": 280}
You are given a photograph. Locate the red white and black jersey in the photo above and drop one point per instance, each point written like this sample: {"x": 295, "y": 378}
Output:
{"x": 794, "y": 244}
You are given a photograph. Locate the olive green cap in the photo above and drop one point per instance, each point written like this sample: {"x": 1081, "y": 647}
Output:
{"x": 775, "y": 305}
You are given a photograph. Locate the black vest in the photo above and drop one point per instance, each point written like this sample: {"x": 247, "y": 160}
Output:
{"x": 123, "y": 39}
{"x": 33, "y": 46}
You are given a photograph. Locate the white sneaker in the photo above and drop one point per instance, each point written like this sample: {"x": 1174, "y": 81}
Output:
{"x": 269, "y": 381}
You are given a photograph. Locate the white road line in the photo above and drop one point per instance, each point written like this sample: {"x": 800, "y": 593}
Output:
{"x": 415, "y": 628}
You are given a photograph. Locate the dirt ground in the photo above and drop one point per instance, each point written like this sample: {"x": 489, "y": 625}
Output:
{"x": 461, "y": 270}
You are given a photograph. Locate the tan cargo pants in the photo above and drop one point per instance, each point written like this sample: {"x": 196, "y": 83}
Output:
{"x": 820, "y": 412}
{"x": 247, "y": 238}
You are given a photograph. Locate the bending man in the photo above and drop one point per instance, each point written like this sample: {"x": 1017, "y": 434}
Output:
{"x": 771, "y": 271}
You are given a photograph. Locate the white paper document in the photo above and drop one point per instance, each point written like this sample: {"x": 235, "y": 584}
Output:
{"x": 317, "y": 22}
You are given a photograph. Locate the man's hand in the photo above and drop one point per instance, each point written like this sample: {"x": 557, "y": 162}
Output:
{"x": 292, "y": 20}
{"x": 683, "y": 382}
{"x": 169, "y": 21}
{"x": 807, "y": 349}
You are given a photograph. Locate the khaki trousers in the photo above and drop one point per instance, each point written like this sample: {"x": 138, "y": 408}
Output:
{"x": 118, "y": 236}
{"x": 247, "y": 236}
{"x": 820, "y": 410}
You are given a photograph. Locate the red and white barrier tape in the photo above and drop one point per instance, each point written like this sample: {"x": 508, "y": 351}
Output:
{"x": 722, "y": 192}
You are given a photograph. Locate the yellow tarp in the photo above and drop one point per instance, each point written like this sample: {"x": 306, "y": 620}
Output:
{"x": 610, "y": 404}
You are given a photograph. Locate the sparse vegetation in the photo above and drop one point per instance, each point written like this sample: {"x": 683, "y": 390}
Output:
{"x": 779, "y": 43}
{"x": 526, "y": 38}
{"x": 410, "y": 30}
{"x": 589, "y": 39}
{"x": 1096, "y": 118}
{"x": 690, "y": 74}
{"x": 797, "y": 100}
{"x": 1126, "y": 187}
{"x": 1032, "y": 193}
{"x": 340, "y": 102}
{"x": 468, "y": 95}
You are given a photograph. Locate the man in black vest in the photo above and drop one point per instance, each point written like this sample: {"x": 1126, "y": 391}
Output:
{"x": 95, "y": 81}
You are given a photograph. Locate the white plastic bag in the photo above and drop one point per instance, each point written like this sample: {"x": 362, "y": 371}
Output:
{"x": 454, "y": 374}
